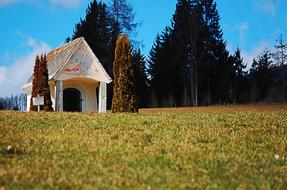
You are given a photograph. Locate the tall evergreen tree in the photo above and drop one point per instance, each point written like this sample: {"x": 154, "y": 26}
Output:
{"x": 198, "y": 52}
{"x": 123, "y": 15}
{"x": 280, "y": 54}
{"x": 261, "y": 76}
{"x": 182, "y": 39}
{"x": 40, "y": 84}
{"x": 141, "y": 80}
{"x": 46, "y": 90}
{"x": 239, "y": 76}
{"x": 124, "y": 98}
{"x": 162, "y": 70}
{"x": 196, "y": 56}
{"x": 239, "y": 66}
{"x": 97, "y": 29}
{"x": 218, "y": 67}
{"x": 35, "y": 83}
{"x": 153, "y": 71}
{"x": 280, "y": 68}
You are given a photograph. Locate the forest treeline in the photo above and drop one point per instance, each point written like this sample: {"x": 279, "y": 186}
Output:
{"x": 189, "y": 64}
{"x": 14, "y": 102}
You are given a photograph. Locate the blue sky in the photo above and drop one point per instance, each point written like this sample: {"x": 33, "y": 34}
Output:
{"x": 29, "y": 27}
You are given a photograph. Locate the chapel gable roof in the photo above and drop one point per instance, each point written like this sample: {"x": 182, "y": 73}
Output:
{"x": 57, "y": 58}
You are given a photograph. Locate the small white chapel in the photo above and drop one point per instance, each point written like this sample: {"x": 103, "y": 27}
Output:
{"x": 77, "y": 80}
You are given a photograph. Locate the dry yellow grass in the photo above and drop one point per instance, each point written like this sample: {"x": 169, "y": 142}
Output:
{"x": 223, "y": 108}
{"x": 237, "y": 147}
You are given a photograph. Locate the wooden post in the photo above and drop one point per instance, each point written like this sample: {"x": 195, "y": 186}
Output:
{"x": 38, "y": 105}
{"x": 96, "y": 100}
{"x": 59, "y": 96}
{"x": 103, "y": 97}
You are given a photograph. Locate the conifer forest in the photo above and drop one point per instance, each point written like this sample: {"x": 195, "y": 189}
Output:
{"x": 189, "y": 64}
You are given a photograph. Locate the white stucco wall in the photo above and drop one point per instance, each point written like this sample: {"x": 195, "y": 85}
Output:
{"x": 53, "y": 93}
{"x": 28, "y": 101}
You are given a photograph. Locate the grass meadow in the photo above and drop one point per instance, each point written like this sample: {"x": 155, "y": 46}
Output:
{"x": 233, "y": 147}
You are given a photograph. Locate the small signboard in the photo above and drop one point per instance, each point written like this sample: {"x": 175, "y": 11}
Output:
{"x": 38, "y": 101}
{"x": 73, "y": 69}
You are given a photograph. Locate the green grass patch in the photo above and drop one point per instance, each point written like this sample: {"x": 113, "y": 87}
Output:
{"x": 185, "y": 150}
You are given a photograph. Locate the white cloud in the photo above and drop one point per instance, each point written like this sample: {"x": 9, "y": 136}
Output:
{"x": 31, "y": 42}
{"x": 10, "y": 2}
{"x": 268, "y": 6}
{"x": 6, "y": 2}
{"x": 242, "y": 28}
{"x": 66, "y": 3}
{"x": 2, "y": 74}
{"x": 248, "y": 56}
{"x": 14, "y": 76}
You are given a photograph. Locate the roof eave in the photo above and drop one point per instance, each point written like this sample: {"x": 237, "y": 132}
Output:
{"x": 26, "y": 86}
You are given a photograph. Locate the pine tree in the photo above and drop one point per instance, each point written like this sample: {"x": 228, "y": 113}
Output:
{"x": 141, "y": 81}
{"x": 261, "y": 76}
{"x": 239, "y": 75}
{"x": 181, "y": 41}
{"x": 153, "y": 70}
{"x": 182, "y": 46}
{"x": 35, "y": 83}
{"x": 218, "y": 69}
{"x": 98, "y": 30}
{"x": 124, "y": 98}
{"x": 199, "y": 52}
{"x": 239, "y": 66}
{"x": 280, "y": 67}
{"x": 46, "y": 89}
{"x": 40, "y": 84}
{"x": 123, "y": 15}
{"x": 280, "y": 55}
{"x": 162, "y": 68}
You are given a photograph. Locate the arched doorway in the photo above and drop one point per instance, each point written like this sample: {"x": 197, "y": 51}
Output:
{"x": 72, "y": 100}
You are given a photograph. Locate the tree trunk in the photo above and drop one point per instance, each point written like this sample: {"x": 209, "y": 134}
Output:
{"x": 196, "y": 83}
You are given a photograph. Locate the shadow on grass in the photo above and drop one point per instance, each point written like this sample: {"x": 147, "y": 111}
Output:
{"x": 12, "y": 153}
